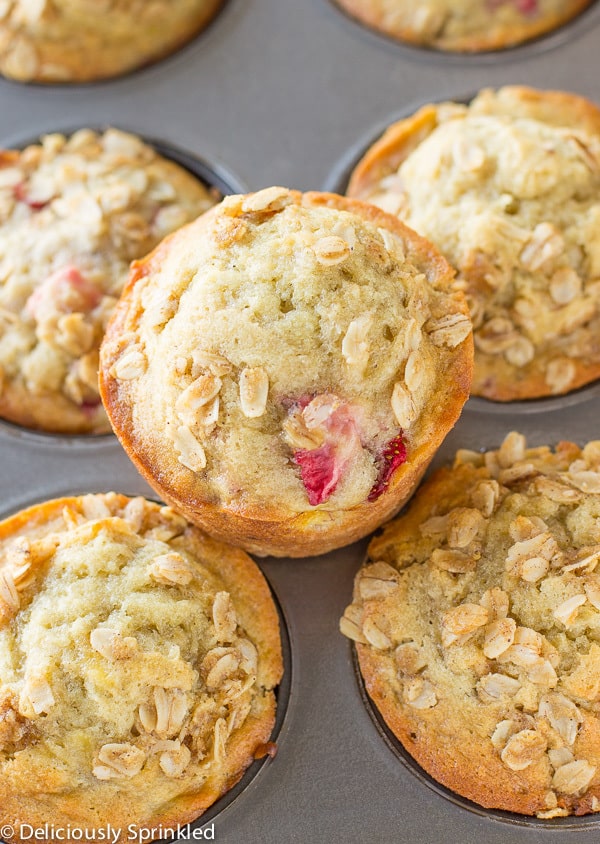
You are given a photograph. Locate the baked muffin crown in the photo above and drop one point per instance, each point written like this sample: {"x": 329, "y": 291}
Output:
{"x": 509, "y": 189}
{"x": 477, "y": 616}
{"x": 86, "y": 40}
{"x": 465, "y": 26}
{"x": 277, "y": 355}
{"x": 73, "y": 213}
{"x": 138, "y": 660}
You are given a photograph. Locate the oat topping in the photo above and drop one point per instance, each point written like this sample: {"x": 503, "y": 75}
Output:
{"x": 171, "y": 568}
{"x": 331, "y": 250}
{"x": 479, "y": 609}
{"x": 296, "y": 370}
{"x": 254, "y": 389}
{"x": 132, "y": 654}
{"x": 515, "y": 210}
{"x": 73, "y": 213}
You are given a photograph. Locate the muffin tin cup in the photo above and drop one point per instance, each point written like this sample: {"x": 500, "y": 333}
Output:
{"x": 251, "y": 777}
{"x": 537, "y": 46}
{"x": 337, "y": 182}
{"x": 588, "y": 823}
{"x": 279, "y": 89}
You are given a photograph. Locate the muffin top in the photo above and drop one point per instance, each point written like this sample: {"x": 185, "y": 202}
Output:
{"x": 137, "y": 662}
{"x": 281, "y": 353}
{"x": 73, "y": 213}
{"x": 467, "y": 25}
{"x": 83, "y": 40}
{"x": 508, "y": 188}
{"x": 478, "y": 618}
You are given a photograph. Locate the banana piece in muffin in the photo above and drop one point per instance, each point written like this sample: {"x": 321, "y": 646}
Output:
{"x": 467, "y": 26}
{"x": 74, "y": 212}
{"x": 477, "y": 619}
{"x": 284, "y": 368}
{"x": 138, "y": 660}
{"x": 508, "y": 188}
{"x": 84, "y": 40}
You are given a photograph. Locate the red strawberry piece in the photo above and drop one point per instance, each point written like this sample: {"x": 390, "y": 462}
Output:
{"x": 64, "y": 291}
{"x": 20, "y": 193}
{"x": 333, "y": 422}
{"x": 320, "y": 472}
{"x": 394, "y": 455}
{"x": 527, "y": 7}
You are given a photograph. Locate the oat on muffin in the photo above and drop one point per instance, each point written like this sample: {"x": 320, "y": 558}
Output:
{"x": 477, "y": 620}
{"x": 138, "y": 660}
{"x": 464, "y": 25}
{"x": 508, "y": 188}
{"x": 84, "y": 40}
{"x": 284, "y": 368}
{"x": 74, "y": 212}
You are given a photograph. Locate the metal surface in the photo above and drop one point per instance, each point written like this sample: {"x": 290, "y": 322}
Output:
{"x": 286, "y": 92}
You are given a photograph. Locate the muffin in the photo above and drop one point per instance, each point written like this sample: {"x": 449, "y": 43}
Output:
{"x": 84, "y": 40}
{"x": 467, "y": 26}
{"x": 284, "y": 368}
{"x": 477, "y": 620}
{"x": 138, "y": 660}
{"x": 508, "y": 188}
{"x": 73, "y": 213}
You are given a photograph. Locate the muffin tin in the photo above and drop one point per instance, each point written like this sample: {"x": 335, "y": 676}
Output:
{"x": 288, "y": 92}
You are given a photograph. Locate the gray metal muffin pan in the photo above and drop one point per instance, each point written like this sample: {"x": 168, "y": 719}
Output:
{"x": 286, "y": 92}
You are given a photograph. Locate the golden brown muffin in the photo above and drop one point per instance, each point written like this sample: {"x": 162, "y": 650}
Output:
{"x": 477, "y": 618}
{"x": 84, "y": 40}
{"x": 285, "y": 367}
{"x": 74, "y": 212}
{"x": 508, "y": 188}
{"x": 138, "y": 660}
{"x": 464, "y": 26}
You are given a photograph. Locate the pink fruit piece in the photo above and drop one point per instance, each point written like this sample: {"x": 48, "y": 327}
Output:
{"x": 394, "y": 455}
{"x": 35, "y": 204}
{"x": 89, "y": 407}
{"x": 337, "y": 442}
{"x": 319, "y": 471}
{"x": 527, "y": 7}
{"x": 64, "y": 291}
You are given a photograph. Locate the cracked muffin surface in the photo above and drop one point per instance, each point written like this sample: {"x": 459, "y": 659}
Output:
{"x": 467, "y": 25}
{"x": 138, "y": 660}
{"x": 84, "y": 40}
{"x": 508, "y": 188}
{"x": 477, "y": 618}
{"x": 74, "y": 212}
{"x": 285, "y": 367}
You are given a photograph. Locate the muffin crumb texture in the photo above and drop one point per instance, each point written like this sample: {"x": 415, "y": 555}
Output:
{"x": 508, "y": 188}
{"x": 136, "y": 679}
{"x": 281, "y": 354}
{"x": 477, "y": 618}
